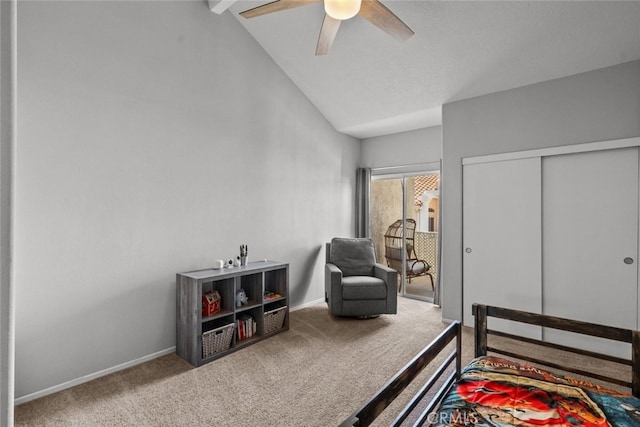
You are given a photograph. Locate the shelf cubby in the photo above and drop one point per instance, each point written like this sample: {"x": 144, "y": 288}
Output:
{"x": 276, "y": 281}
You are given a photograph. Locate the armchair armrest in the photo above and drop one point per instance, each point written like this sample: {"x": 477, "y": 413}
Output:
{"x": 385, "y": 273}
{"x": 390, "y": 277}
{"x": 332, "y": 286}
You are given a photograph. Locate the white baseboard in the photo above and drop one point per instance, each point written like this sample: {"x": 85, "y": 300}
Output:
{"x": 93, "y": 376}
{"x": 307, "y": 304}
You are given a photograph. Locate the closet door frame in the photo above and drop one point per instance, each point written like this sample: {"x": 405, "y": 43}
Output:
{"x": 553, "y": 151}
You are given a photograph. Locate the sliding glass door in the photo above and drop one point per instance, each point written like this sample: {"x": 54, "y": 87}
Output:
{"x": 404, "y": 225}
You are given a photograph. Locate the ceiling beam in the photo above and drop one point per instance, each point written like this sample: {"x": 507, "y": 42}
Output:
{"x": 219, "y": 6}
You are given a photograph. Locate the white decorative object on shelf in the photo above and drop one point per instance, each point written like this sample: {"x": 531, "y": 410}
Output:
{"x": 241, "y": 298}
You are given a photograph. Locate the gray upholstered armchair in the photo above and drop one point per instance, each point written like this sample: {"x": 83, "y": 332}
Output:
{"x": 355, "y": 285}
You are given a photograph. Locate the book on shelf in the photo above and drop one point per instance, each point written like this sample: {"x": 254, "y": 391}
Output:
{"x": 268, "y": 295}
{"x": 245, "y": 326}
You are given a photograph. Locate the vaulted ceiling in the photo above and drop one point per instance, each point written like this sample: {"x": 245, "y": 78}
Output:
{"x": 371, "y": 84}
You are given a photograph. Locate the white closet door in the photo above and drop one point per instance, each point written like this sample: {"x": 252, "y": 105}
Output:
{"x": 590, "y": 238}
{"x": 502, "y": 238}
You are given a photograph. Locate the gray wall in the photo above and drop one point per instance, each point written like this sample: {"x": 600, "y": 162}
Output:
{"x": 155, "y": 137}
{"x": 401, "y": 149}
{"x": 595, "y": 106}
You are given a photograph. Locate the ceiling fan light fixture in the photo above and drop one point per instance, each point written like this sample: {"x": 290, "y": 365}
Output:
{"x": 342, "y": 9}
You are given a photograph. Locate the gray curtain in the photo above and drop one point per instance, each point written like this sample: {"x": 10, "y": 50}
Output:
{"x": 363, "y": 190}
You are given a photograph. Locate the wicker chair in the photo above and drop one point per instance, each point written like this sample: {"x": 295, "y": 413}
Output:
{"x": 393, "y": 250}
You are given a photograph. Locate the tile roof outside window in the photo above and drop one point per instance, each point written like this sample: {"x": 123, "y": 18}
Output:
{"x": 424, "y": 183}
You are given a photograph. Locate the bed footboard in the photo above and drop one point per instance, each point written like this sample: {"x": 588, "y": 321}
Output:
{"x": 483, "y": 312}
{"x": 376, "y": 404}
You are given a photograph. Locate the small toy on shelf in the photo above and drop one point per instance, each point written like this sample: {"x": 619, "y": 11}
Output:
{"x": 241, "y": 298}
{"x": 210, "y": 303}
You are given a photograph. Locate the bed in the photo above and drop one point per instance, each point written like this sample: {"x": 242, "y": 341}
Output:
{"x": 506, "y": 388}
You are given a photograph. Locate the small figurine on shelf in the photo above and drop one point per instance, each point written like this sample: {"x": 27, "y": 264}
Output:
{"x": 241, "y": 298}
{"x": 244, "y": 254}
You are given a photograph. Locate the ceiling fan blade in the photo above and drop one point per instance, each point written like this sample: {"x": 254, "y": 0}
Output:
{"x": 376, "y": 13}
{"x": 275, "y": 6}
{"x": 328, "y": 33}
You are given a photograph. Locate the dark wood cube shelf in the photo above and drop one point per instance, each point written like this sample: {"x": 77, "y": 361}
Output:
{"x": 266, "y": 284}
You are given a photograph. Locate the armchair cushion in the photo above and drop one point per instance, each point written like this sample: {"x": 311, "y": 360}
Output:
{"x": 353, "y": 256}
{"x": 363, "y": 288}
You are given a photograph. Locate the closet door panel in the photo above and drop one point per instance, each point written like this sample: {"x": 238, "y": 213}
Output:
{"x": 502, "y": 238}
{"x": 590, "y": 226}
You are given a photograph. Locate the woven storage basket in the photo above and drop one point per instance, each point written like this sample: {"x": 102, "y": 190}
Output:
{"x": 274, "y": 319}
{"x": 217, "y": 340}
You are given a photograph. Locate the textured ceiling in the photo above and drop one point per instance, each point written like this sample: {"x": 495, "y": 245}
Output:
{"x": 370, "y": 84}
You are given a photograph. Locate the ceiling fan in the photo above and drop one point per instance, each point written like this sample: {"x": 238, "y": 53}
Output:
{"x": 335, "y": 12}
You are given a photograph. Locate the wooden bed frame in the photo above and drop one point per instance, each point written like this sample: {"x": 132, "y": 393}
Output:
{"x": 371, "y": 409}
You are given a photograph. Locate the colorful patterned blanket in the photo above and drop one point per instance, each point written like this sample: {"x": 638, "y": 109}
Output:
{"x": 498, "y": 392}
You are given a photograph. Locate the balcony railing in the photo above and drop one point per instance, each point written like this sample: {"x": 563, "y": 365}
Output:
{"x": 426, "y": 247}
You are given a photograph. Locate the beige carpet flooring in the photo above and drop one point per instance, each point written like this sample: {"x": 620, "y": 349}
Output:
{"x": 315, "y": 374}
